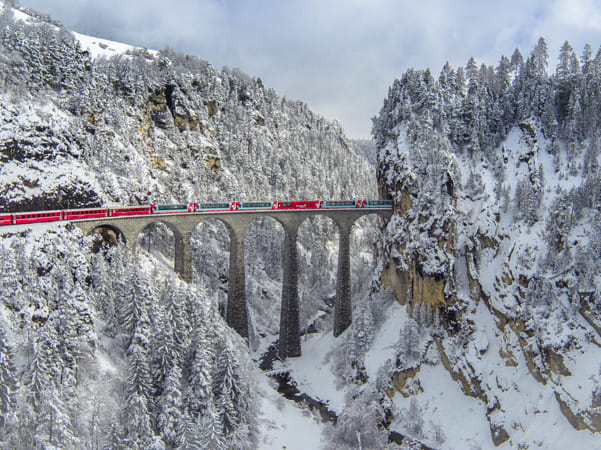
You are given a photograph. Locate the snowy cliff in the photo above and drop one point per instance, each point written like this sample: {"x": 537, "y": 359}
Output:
{"x": 493, "y": 255}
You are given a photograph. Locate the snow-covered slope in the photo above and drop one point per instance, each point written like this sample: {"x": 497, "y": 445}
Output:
{"x": 494, "y": 251}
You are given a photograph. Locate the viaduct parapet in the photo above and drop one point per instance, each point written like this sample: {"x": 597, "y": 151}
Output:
{"x": 182, "y": 226}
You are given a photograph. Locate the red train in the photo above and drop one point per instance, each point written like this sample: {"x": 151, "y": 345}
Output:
{"x": 77, "y": 214}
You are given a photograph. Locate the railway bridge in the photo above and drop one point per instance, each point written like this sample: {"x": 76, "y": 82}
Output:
{"x": 183, "y": 224}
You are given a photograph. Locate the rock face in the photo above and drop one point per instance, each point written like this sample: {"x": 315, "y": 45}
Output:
{"x": 496, "y": 233}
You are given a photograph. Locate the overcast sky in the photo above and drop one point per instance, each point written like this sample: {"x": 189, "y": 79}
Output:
{"x": 339, "y": 56}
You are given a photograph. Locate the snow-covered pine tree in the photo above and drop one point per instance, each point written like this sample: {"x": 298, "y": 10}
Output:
{"x": 231, "y": 404}
{"x": 137, "y": 416}
{"x": 10, "y": 288}
{"x": 212, "y": 430}
{"x": 103, "y": 293}
{"x": 8, "y": 382}
{"x": 172, "y": 333}
{"x": 170, "y": 422}
{"x": 199, "y": 392}
{"x": 54, "y": 427}
{"x": 359, "y": 426}
{"x": 132, "y": 295}
{"x": 53, "y": 424}
{"x": 75, "y": 329}
{"x": 566, "y": 52}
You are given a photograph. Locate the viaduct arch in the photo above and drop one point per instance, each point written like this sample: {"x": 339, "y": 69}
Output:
{"x": 236, "y": 315}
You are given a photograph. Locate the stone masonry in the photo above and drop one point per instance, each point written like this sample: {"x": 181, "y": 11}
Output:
{"x": 182, "y": 226}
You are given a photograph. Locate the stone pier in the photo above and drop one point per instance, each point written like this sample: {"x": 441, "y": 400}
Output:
{"x": 183, "y": 225}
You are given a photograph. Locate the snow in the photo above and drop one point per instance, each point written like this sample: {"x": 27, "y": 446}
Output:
{"x": 97, "y": 47}
{"x": 283, "y": 424}
{"x": 33, "y": 230}
{"x": 313, "y": 374}
{"x": 443, "y": 404}
{"x": 382, "y": 347}
{"x": 21, "y": 16}
{"x": 105, "y": 47}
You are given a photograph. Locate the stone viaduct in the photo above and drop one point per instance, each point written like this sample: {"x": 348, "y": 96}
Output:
{"x": 183, "y": 224}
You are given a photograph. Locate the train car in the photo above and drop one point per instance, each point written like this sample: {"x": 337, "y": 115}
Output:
{"x": 342, "y": 204}
{"x": 258, "y": 206}
{"x": 171, "y": 209}
{"x": 208, "y": 207}
{"x": 74, "y": 214}
{"x": 300, "y": 204}
{"x": 379, "y": 204}
{"x": 6, "y": 219}
{"x": 130, "y": 211}
{"x": 33, "y": 217}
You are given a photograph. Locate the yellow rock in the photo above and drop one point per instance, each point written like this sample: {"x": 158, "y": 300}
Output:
{"x": 158, "y": 163}
{"x": 211, "y": 108}
{"x": 213, "y": 163}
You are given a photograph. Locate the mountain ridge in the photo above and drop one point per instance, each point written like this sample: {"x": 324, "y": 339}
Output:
{"x": 494, "y": 174}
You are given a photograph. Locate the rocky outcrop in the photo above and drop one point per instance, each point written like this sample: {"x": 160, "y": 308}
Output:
{"x": 408, "y": 271}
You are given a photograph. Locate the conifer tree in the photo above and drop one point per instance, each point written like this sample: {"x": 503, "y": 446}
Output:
{"x": 199, "y": 392}
{"x": 540, "y": 57}
{"x": 212, "y": 437}
{"x": 7, "y": 380}
{"x": 586, "y": 59}
{"x": 230, "y": 403}
{"x": 53, "y": 424}
{"x": 138, "y": 408}
{"x": 11, "y": 284}
{"x": 171, "y": 423}
{"x": 565, "y": 55}
{"x": 516, "y": 59}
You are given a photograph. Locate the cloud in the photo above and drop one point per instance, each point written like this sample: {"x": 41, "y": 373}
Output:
{"x": 339, "y": 56}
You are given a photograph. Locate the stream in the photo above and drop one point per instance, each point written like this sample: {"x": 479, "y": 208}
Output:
{"x": 287, "y": 388}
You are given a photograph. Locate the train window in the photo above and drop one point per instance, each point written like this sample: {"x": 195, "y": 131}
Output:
{"x": 341, "y": 203}
{"x": 256, "y": 205}
{"x": 287, "y": 204}
{"x": 214, "y": 205}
